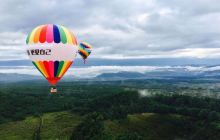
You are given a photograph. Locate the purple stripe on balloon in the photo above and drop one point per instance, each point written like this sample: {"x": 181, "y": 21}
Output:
{"x": 56, "y": 34}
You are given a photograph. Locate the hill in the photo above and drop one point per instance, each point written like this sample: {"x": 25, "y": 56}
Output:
{"x": 14, "y": 77}
{"x": 121, "y": 75}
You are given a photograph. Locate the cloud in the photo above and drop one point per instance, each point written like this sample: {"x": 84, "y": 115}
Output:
{"x": 119, "y": 29}
{"x": 83, "y": 72}
{"x": 93, "y": 71}
{"x": 12, "y": 46}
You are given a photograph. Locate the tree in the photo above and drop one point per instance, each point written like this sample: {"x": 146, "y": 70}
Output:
{"x": 203, "y": 114}
{"x": 92, "y": 128}
{"x": 129, "y": 136}
{"x": 213, "y": 116}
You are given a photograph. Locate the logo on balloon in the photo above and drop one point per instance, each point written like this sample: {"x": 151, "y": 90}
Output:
{"x": 39, "y": 52}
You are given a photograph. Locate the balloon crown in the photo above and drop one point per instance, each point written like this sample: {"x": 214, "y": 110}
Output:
{"x": 50, "y": 33}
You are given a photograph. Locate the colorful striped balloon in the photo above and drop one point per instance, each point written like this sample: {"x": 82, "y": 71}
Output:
{"x": 52, "y": 49}
{"x": 51, "y": 34}
{"x": 85, "y": 50}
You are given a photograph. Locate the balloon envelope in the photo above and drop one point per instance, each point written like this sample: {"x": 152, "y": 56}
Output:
{"x": 52, "y": 49}
{"x": 85, "y": 50}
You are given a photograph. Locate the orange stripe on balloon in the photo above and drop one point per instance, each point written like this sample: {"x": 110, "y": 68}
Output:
{"x": 40, "y": 68}
{"x": 84, "y": 52}
{"x": 43, "y": 34}
{"x": 43, "y": 68}
{"x": 65, "y": 68}
{"x": 37, "y": 66}
{"x": 37, "y": 34}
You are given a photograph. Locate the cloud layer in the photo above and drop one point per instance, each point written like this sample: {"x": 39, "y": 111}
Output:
{"x": 93, "y": 71}
{"x": 119, "y": 28}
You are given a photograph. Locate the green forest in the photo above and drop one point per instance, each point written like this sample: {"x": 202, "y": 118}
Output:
{"x": 105, "y": 111}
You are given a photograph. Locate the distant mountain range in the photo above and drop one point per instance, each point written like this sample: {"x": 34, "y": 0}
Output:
{"x": 148, "y": 75}
{"x": 121, "y": 75}
{"x": 128, "y": 62}
{"x": 13, "y": 77}
{"x": 167, "y": 72}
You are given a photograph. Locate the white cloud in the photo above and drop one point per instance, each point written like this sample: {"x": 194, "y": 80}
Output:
{"x": 165, "y": 11}
{"x": 12, "y": 46}
{"x": 119, "y": 29}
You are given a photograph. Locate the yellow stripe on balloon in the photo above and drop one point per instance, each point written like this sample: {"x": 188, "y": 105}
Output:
{"x": 73, "y": 38}
{"x": 41, "y": 68}
{"x": 63, "y": 68}
{"x": 68, "y": 35}
{"x": 65, "y": 65}
{"x": 31, "y": 39}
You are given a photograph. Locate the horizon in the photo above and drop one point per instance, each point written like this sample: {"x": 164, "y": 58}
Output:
{"x": 97, "y": 67}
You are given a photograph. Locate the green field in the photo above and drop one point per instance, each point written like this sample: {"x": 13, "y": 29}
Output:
{"x": 57, "y": 125}
{"x": 105, "y": 111}
{"x": 149, "y": 126}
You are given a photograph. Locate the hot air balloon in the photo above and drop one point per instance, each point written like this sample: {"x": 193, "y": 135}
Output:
{"x": 85, "y": 50}
{"x": 52, "y": 49}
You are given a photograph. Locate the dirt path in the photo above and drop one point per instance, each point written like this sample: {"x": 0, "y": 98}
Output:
{"x": 36, "y": 135}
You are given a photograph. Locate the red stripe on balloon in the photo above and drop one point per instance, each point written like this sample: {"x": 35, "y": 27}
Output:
{"x": 53, "y": 81}
{"x": 43, "y": 34}
{"x": 51, "y": 68}
{"x": 47, "y": 67}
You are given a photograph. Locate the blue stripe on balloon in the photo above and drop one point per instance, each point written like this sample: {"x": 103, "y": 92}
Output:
{"x": 56, "y": 66}
{"x": 56, "y": 34}
{"x": 82, "y": 46}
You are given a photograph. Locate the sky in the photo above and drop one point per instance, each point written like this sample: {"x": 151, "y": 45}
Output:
{"x": 118, "y": 29}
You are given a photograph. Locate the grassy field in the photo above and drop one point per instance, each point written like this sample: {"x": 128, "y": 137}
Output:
{"x": 151, "y": 126}
{"x": 59, "y": 126}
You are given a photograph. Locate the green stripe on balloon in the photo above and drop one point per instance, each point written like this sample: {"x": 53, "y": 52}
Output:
{"x": 60, "y": 68}
{"x": 63, "y": 35}
{"x": 38, "y": 68}
{"x": 27, "y": 40}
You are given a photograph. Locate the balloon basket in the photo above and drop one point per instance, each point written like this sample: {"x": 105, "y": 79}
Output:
{"x": 53, "y": 90}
